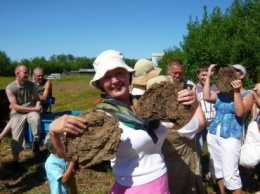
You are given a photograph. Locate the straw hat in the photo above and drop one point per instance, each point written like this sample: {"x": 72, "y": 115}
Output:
{"x": 144, "y": 70}
{"x": 106, "y": 61}
{"x": 158, "y": 79}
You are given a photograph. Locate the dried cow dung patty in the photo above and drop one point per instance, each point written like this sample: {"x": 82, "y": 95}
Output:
{"x": 160, "y": 102}
{"x": 98, "y": 143}
{"x": 224, "y": 78}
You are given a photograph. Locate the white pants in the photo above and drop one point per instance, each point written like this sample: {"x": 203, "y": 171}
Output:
{"x": 224, "y": 158}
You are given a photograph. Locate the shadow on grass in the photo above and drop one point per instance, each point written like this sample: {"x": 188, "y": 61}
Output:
{"x": 250, "y": 179}
{"x": 30, "y": 174}
{"x": 102, "y": 167}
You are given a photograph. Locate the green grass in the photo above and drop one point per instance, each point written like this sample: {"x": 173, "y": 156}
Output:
{"x": 71, "y": 93}
{"x": 70, "y": 97}
{"x": 4, "y": 81}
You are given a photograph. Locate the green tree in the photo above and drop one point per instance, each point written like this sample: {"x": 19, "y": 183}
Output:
{"x": 5, "y": 63}
{"x": 224, "y": 38}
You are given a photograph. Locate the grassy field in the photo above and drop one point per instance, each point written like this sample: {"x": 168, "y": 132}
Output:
{"x": 74, "y": 93}
{"x": 71, "y": 93}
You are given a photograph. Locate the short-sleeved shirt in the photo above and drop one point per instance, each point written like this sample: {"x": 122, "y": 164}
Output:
{"x": 55, "y": 168}
{"x": 207, "y": 107}
{"x": 24, "y": 95}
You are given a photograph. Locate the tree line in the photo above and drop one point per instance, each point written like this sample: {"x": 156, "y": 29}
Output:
{"x": 232, "y": 37}
{"x": 56, "y": 63}
{"x": 229, "y": 37}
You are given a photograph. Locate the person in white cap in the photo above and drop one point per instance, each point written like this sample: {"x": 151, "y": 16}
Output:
{"x": 139, "y": 166}
{"x": 144, "y": 71}
{"x": 226, "y": 130}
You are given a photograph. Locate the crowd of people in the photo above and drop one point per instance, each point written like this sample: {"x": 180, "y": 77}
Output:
{"x": 162, "y": 159}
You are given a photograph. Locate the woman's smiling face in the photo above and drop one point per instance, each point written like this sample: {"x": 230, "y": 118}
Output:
{"x": 116, "y": 84}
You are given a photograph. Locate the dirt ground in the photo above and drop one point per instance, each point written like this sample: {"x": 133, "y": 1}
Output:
{"x": 31, "y": 177}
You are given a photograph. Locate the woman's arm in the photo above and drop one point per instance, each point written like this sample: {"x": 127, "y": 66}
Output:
{"x": 207, "y": 94}
{"x": 242, "y": 105}
{"x": 69, "y": 172}
{"x": 47, "y": 91}
{"x": 200, "y": 116}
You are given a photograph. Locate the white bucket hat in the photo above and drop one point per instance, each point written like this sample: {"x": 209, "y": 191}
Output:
{"x": 106, "y": 61}
{"x": 240, "y": 67}
{"x": 144, "y": 70}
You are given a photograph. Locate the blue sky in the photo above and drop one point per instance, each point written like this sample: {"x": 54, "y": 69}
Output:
{"x": 84, "y": 28}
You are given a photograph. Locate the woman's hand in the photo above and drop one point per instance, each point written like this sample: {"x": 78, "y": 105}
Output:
{"x": 69, "y": 124}
{"x": 187, "y": 96}
{"x": 211, "y": 69}
{"x": 65, "y": 124}
{"x": 236, "y": 84}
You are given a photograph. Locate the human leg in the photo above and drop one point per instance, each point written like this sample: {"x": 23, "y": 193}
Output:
{"x": 6, "y": 130}
{"x": 230, "y": 152}
{"x": 34, "y": 121}
{"x": 17, "y": 123}
{"x": 201, "y": 140}
{"x": 215, "y": 161}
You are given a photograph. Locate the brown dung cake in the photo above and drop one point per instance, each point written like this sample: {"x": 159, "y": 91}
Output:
{"x": 160, "y": 102}
{"x": 224, "y": 78}
{"x": 99, "y": 141}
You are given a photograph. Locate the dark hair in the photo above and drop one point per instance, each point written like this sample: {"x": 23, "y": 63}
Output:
{"x": 201, "y": 68}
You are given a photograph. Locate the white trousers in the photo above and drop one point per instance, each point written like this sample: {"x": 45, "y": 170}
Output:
{"x": 224, "y": 159}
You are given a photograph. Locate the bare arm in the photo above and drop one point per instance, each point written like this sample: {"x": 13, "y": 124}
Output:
{"x": 69, "y": 172}
{"x": 14, "y": 104}
{"x": 200, "y": 116}
{"x": 242, "y": 106}
{"x": 6, "y": 130}
{"x": 255, "y": 105}
{"x": 207, "y": 94}
{"x": 47, "y": 91}
{"x": 253, "y": 112}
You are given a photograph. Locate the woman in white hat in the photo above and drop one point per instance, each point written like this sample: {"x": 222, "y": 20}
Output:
{"x": 139, "y": 166}
{"x": 226, "y": 130}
